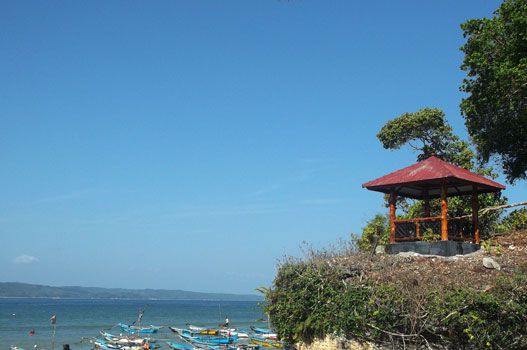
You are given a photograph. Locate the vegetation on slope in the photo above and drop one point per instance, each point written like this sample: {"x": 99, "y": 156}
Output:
{"x": 450, "y": 302}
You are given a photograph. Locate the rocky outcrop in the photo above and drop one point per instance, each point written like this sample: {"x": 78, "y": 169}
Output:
{"x": 337, "y": 343}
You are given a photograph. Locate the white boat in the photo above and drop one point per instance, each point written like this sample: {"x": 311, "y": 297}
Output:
{"x": 271, "y": 336}
{"x": 101, "y": 344}
{"x": 124, "y": 340}
{"x": 232, "y": 332}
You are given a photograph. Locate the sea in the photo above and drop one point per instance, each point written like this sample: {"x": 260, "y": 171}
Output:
{"x": 79, "y": 320}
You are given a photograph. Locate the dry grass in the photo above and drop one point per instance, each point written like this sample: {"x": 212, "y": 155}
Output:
{"x": 418, "y": 270}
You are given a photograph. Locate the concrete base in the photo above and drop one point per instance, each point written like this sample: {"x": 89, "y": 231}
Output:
{"x": 442, "y": 248}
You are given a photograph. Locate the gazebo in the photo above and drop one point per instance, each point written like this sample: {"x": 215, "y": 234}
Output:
{"x": 427, "y": 179}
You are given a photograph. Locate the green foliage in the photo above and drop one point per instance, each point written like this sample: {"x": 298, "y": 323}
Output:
{"x": 495, "y": 110}
{"x": 498, "y": 250}
{"x": 490, "y": 248}
{"x": 430, "y": 236}
{"x": 478, "y": 319}
{"x": 262, "y": 290}
{"x": 516, "y": 220}
{"x": 302, "y": 295}
{"x": 430, "y": 129}
{"x": 376, "y": 231}
{"x": 310, "y": 300}
{"x": 486, "y": 245}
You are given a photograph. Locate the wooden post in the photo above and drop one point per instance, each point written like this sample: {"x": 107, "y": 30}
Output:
{"x": 475, "y": 209}
{"x": 417, "y": 230}
{"x": 444, "y": 212}
{"x": 392, "y": 200}
{"x": 426, "y": 204}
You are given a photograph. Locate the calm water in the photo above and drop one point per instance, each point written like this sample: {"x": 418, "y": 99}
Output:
{"x": 78, "y": 319}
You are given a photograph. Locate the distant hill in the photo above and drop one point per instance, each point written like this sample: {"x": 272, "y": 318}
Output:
{"x": 25, "y": 290}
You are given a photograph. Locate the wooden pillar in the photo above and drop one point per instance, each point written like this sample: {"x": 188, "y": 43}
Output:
{"x": 444, "y": 212}
{"x": 392, "y": 200}
{"x": 426, "y": 204}
{"x": 475, "y": 209}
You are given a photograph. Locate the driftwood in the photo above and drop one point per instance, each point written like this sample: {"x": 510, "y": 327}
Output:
{"x": 489, "y": 209}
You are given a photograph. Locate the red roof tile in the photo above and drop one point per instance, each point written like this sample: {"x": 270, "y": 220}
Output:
{"x": 428, "y": 175}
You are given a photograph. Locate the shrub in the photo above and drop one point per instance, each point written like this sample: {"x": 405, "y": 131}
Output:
{"x": 376, "y": 231}
{"x": 516, "y": 220}
{"x": 312, "y": 299}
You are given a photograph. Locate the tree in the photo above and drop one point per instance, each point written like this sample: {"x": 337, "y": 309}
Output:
{"x": 495, "y": 109}
{"x": 376, "y": 231}
{"x": 427, "y": 131}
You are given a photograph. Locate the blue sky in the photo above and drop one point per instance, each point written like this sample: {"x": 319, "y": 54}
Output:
{"x": 192, "y": 144}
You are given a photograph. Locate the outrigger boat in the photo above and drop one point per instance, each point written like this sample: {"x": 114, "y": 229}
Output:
{"x": 134, "y": 329}
{"x": 233, "y": 332}
{"x": 209, "y": 340}
{"x": 194, "y": 334}
{"x": 184, "y": 332}
{"x": 177, "y": 346}
{"x": 195, "y": 330}
{"x": 102, "y": 344}
{"x": 174, "y": 329}
{"x": 126, "y": 340}
{"x": 202, "y": 330}
{"x": 222, "y": 347}
{"x": 261, "y": 330}
{"x": 267, "y": 343}
{"x": 265, "y": 333}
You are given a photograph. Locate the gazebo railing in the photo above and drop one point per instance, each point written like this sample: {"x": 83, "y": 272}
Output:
{"x": 414, "y": 229}
{"x": 460, "y": 230}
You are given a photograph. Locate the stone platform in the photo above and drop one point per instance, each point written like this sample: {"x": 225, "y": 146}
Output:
{"x": 442, "y": 248}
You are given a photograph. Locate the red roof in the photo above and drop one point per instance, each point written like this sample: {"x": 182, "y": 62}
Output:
{"x": 425, "y": 178}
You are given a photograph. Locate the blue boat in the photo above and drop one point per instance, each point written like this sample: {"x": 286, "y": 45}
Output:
{"x": 177, "y": 346}
{"x": 261, "y": 330}
{"x": 209, "y": 340}
{"x": 134, "y": 329}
